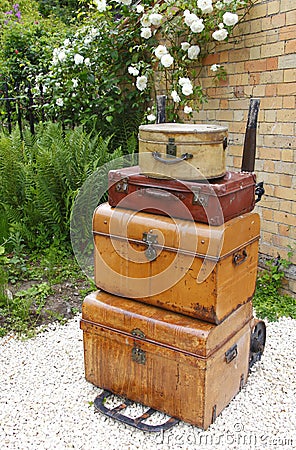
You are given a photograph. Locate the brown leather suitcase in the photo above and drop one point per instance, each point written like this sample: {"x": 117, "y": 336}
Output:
{"x": 184, "y": 266}
{"x": 184, "y": 367}
{"x": 212, "y": 202}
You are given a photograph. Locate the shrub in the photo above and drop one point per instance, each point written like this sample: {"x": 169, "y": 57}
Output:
{"x": 40, "y": 177}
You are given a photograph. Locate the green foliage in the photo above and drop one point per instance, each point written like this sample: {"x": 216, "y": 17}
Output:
{"x": 20, "y": 313}
{"x": 26, "y": 43}
{"x": 65, "y": 10}
{"x": 32, "y": 278}
{"x": 40, "y": 178}
{"x": 268, "y": 301}
{"x": 89, "y": 87}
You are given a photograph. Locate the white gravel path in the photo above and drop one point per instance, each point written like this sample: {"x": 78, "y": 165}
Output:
{"x": 45, "y": 402}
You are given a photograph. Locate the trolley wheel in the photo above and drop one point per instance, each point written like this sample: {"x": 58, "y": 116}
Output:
{"x": 257, "y": 344}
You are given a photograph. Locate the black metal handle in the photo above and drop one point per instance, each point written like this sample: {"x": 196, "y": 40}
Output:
{"x": 184, "y": 157}
{"x": 231, "y": 354}
{"x": 117, "y": 413}
{"x": 240, "y": 257}
{"x": 225, "y": 143}
{"x": 259, "y": 191}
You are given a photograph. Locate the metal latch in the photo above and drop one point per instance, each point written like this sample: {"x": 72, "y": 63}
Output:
{"x": 231, "y": 354}
{"x": 200, "y": 198}
{"x": 138, "y": 355}
{"x": 138, "y": 333}
{"x": 150, "y": 239}
{"x": 171, "y": 148}
{"x": 122, "y": 185}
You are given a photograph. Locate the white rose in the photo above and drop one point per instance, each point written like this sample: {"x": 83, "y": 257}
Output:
{"x": 151, "y": 118}
{"x": 155, "y": 19}
{"x": 141, "y": 83}
{"x": 75, "y": 82}
{"x": 126, "y": 2}
{"x": 87, "y": 40}
{"x": 167, "y": 60}
{"x": 146, "y": 33}
{"x": 145, "y": 21}
{"x": 101, "y": 5}
{"x": 219, "y": 5}
{"x": 87, "y": 61}
{"x": 67, "y": 42}
{"x": 160, "y": 51}
{"x": 183, "y": 81}
{"x": 78, "y": 59}
{"x": 189, "y": 18}
{"x": 140, "y": 9}
{"x": 220, "y": 35}
{"x": 59, "y": 102}
{"x": 205, "y": 5}
{"x": 133, "y": 71}
{"x": 62, "y": 56}
{"x": 230, "y": 19}
{"x": 175, "y": 96}
{"x": 193, "y": 51}
{"x": 185, "y": 46}
{"x": 187, "y": 89}
{"x": 187, "y": 109}
{"x": 197, "y": 26}
{"x": 214, "y": 67}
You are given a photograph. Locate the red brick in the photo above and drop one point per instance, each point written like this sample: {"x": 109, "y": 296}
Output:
{"x": 270, "y": 90}
{"x": 257, "y": 65}
{"x": 211, "y": 59}
{"x": 288, "y": 32}
{"x": 272, "y": 63}
{"x": 290, "y": 46}
{"x": 284, "y": 230}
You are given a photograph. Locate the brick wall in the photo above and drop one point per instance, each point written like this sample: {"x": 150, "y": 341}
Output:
{"x": 260, "y": 60}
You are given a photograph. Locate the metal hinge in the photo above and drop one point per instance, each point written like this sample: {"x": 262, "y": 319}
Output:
{"x": 171, "y": 148}
{"x": 122, "y": 185}
{"x": 199, "y": 198}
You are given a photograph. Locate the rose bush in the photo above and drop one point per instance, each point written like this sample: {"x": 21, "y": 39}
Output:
{"x": 174, "y": 37}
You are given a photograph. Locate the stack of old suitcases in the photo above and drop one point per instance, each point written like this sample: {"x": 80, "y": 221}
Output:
{"x": 176, "y": 252}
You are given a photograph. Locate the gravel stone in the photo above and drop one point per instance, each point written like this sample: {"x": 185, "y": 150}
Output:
{"x": 46, "y": 403}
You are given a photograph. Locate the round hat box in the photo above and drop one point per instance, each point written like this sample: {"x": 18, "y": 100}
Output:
{"x": 182, "y": 151}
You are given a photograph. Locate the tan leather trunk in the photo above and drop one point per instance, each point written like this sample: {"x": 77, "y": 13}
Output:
{"x": 180, "y": 265}
{"x": 181, "y": 366}
{"x": 182, "y": 151}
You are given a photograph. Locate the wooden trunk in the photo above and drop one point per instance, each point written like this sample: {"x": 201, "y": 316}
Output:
{"x": 212, "y": 202}
{"x": 184, "y": 266}
{"x": 182, "y": 151}
{"x": 181, "y": 366}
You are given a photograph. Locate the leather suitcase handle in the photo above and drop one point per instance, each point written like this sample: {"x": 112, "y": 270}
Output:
{"x": 184, "y": 157}
{"x": 259, "y": 191}
{"x": 157, "y": 193}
